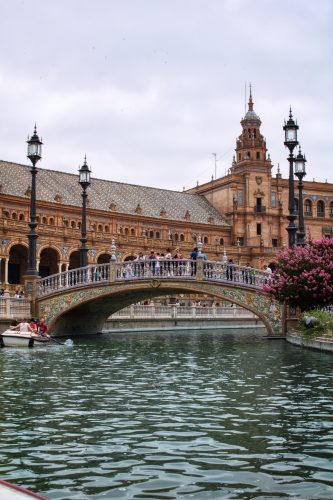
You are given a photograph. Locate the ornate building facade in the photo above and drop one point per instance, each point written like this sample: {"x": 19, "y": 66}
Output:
{"x": 242, "y": 215}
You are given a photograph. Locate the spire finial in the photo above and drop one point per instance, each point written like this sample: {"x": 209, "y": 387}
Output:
{"x": 290, "y": 113}
{"x": 35, "y": 130}
{"x": 250, "y": 99}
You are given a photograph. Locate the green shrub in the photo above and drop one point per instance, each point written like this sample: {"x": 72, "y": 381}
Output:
{"x": 316, "y": 323}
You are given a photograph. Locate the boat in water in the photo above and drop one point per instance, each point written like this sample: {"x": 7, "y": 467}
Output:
{"x": 9, "y": 491}
{"x": 13, "y": 338}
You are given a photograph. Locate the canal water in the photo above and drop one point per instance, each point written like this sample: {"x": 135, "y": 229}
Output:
{"x": 168, "y": 415}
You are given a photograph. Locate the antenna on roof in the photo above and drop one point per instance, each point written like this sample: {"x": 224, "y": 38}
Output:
{"x": 215, "y": 161}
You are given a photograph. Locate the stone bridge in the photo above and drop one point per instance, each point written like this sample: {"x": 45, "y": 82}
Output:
{"x": 80, "y": 300}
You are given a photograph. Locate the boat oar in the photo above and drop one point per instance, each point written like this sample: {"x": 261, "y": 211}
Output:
{"x": 56, "y": 341}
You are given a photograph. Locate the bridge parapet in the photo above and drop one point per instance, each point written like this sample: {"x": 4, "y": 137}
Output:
{"x": 184, "y": 269}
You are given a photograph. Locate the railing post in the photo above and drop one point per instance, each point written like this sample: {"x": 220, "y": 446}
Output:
{"x": 7, "y": 303}
{"x": 200, "y": 268}
{"x": 113, "y": 271}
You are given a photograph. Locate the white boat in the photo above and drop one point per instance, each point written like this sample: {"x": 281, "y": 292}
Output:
{"x": 13, "y": 338}
{"x": 9, "y": 491}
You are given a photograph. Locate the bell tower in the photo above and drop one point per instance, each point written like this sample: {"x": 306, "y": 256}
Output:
{"x": 251, "y": 151}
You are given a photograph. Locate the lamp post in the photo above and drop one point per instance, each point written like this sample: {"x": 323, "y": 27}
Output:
{"x": 84, "y": 180}
{"x": 300, "y": 173}
{"x": 290, "y": 129}
{"x": 34, "y": 154}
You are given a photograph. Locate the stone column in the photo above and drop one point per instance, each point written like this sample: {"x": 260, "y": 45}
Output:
{"x": 6, "y": 271}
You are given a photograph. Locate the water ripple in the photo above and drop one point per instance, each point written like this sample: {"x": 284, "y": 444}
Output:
{"x": 203, "y": 415}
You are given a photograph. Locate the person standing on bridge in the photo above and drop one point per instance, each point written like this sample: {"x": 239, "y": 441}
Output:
{"x": 193, "y": 257}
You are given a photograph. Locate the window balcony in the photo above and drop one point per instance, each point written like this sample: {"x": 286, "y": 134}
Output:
{"x": 320, "y": 214}
{"x": 259, "y": 210}
{"x": 307, "y": 214}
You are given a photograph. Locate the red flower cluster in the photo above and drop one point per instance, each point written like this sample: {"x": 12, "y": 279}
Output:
{"x": 303, "y": 276}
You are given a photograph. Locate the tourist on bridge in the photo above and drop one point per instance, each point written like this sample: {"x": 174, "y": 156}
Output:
{"x": 193, "y": 257}
{"x": 230, "y": 271}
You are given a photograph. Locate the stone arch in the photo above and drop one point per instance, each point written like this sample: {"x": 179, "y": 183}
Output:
{"x": 103, "y": 258}
{"x": 51, "y": 221}
{"x": 129, "y": 257}
{"x": 106, "y": 229}
{"x": 21, "y": 217}
{"x": 49, "y": 261}
{"x": 44, "y": 220}
{"x": 84, "y": 310}
{"x": 18, "y": 263}
{"x": 132, "y": 231}
{"x": 14, "y": 215}
{"x": 73, "y": 224}
{"x": 74, "y": 259}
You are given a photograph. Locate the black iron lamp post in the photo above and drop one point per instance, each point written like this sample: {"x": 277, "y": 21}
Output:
{"x": 34, "y": 154}
{"x": 300, "y": 173}
{"x": 290, "y": 128}
{"x": 84, "y": 180}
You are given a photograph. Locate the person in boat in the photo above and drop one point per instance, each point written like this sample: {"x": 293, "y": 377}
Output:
{"x": 42, "y": 327}
{"x": 33, "y": 324}
{"x": 24, "y": 327}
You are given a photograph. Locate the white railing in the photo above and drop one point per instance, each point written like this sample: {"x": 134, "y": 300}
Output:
{"x": 153, "y": 269}
{"x": 153, "y": 311}
{"x": 11, "y": 307}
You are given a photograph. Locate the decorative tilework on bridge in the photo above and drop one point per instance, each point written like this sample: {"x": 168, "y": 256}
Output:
{"x": 268, "y": 311}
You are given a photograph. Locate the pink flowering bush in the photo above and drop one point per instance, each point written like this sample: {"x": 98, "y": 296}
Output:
{"x": 303, "y": 276}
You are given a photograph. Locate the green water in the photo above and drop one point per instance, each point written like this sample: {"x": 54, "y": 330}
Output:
{"x": 198, "y": 415}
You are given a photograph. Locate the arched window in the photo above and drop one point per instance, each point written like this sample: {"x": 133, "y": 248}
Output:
{"x": 182, "y": 238}
{"x": 320, "y": 209}
{"x": 22, "y": 217}
{"x": 44, "y": 221}
{"x": 121, "y": 230}
{"x": 221, "y": 241}
{"x": 99, "y": 228}
{"x": 126, "y": 231}
{"x": 132, "y": 231}
{"x": 73, "y": 225}
{"x": 205, "y": 240}
{"x": 106, "y": 229}
{"x": 51, "y": 221}
{"x": 79, "y": 225}
{"x": 157, "y": 235}
{"x": 308, "y": 208}
{"x": 14, "y": 215}
{"x": 151, "y": 234}
{"x": 176, "y": 237}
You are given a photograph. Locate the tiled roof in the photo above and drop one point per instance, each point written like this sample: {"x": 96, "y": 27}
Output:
{"x": 15, "y": 180}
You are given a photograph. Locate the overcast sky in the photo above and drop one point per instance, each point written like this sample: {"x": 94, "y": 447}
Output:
{"x": 149, "y": 89}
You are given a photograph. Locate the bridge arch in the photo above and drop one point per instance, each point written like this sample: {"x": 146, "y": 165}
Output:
{"x": 85, "y": 310}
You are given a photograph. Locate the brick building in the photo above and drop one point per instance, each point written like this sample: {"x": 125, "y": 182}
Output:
{"x": 242, "y": 215}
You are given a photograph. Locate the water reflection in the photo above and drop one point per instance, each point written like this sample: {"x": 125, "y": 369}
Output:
{"x": 168, "y": 415}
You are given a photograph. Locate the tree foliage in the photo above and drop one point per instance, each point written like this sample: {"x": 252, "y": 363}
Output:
{"x": 303, "y": 276}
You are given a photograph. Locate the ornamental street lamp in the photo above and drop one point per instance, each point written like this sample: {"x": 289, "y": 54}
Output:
{"x": 300, "y": 173}
{"x": 290, "y": 129}
{"x": 34, "y": 154}
{"x": 84, "y": 180}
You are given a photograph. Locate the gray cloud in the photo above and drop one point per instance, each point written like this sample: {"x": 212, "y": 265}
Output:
{"x": 150, "y": 89}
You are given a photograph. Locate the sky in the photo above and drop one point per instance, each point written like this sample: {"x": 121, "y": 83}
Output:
{"x": 150, "y": 89}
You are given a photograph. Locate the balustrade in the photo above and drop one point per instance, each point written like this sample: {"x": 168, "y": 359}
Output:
{"x": 152, "y": 269}
{"x": 11, "y": 307}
